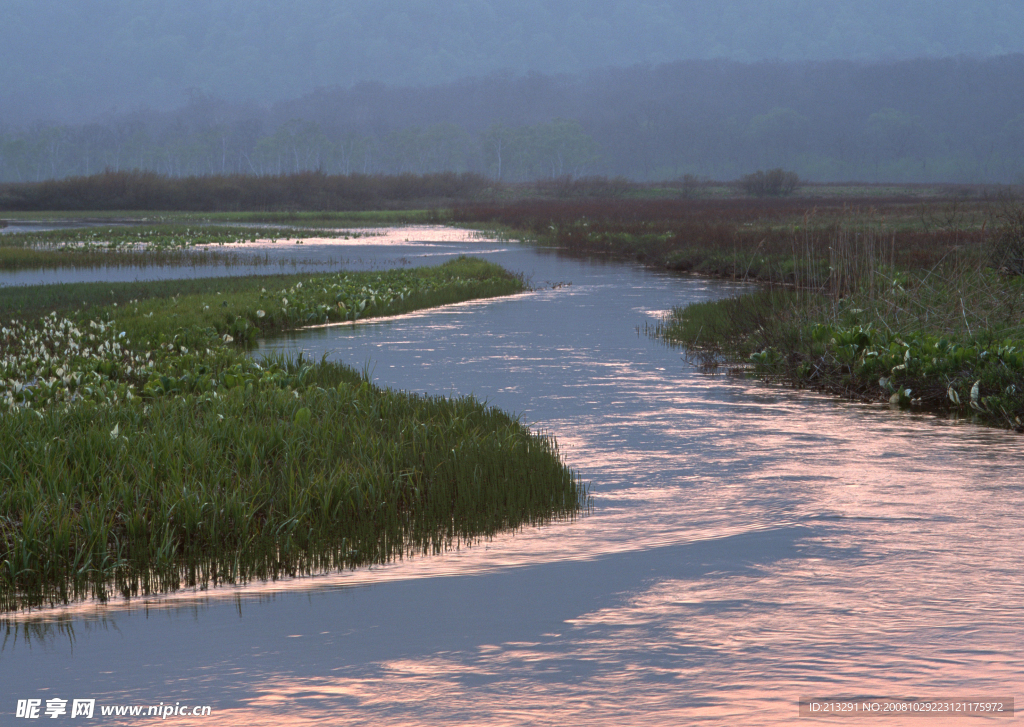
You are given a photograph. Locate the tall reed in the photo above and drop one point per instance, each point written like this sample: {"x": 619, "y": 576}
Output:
{"x": 858, "y": 319}
{"x": 260, "y": 482}
{"x": 143, "y": 450}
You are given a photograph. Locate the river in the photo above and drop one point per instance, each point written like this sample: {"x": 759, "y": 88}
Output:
{"x": 747, "y": 546}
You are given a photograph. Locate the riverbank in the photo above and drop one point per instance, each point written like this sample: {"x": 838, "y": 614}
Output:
{"x": 720, "y": 505}
{"x": 147, "y": 244}
{"x": 914, "y": 303}
{"x": 142, "y": 449}
{"x": 293, "y": 217}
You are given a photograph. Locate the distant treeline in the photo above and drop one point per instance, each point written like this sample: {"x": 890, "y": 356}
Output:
{"x": 66, "y": 60}
{"x": 942, "y": 120}
{"x": 302, "y": 191}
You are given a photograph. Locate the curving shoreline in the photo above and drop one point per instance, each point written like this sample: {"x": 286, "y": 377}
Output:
{"x": 852, "y": 287}
{"x": 142, "y": 449}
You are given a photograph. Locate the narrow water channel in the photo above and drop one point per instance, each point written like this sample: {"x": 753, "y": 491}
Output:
{"x": 382, "y": 248}
{"x": 747, "y": 546}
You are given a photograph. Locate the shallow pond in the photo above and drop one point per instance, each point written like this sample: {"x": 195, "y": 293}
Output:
{"x": 748, "y": 545}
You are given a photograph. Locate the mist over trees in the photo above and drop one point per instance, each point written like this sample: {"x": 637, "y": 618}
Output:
{"x": 946, "y": 120}
{"x": 73, "y": 62}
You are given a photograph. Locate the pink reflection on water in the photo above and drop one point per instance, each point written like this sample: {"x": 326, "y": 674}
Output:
{"x": 909, "y": 585}
{"x": 419, "y": 235}
{"x": 901, "y": 576}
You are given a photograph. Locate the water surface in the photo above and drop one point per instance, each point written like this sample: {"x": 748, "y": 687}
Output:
{"x": 747, "y": 545}
{"x": 381, "y": 248}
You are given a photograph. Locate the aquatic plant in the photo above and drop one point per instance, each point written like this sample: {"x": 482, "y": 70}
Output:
{"x": 920, "y": 272}
{"x": 124, "y": 353}
{"x": 137, "y": 457}
{"x": 146, "y": 245}
{"x": 163, "y": 236}
{"x": 197, "y": 489}
{"x": 321, "y": 298}
{"x": 948, "y": 339}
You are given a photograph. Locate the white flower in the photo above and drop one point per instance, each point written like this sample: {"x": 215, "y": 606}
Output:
{"x": 260, "y": 313}
{"x": 115, "y": 431}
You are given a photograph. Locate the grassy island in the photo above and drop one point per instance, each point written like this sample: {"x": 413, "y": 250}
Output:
{"x": 140, "y": 245}
{"x": 143, "y": 449}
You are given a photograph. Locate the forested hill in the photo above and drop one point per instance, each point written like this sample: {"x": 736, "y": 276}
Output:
{"x": 68, "y": 61}
{"x": 938, "y": 120}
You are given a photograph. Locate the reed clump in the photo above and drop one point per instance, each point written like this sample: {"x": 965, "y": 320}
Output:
{"x": 849, "y": 287}
{"x": 740, "y": 238}
{"x": 865, "y": 323}
{"x": 144, "y": 450}
{"x": 314, "y": 470}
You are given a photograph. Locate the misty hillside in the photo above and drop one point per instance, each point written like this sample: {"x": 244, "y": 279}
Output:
{"x": 939, "y": 120}
{"x": 69, "y": 61}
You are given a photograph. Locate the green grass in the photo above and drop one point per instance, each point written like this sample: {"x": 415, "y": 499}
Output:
{"x": 250, "y": 313}
{"x": 949, "y": 339}
{"x": 449, "y": 283}
{"x": 192, "y": 490}
{"x": 302, "y": 218}
{"x": 331, "y": 219}
{"x": 20, "y": 258}
{"x": 164, "y": 236}
{"x": 30, "y": 302}
{"x": 141, "y": 448}
{"x": 145, "y": 245}
{"x": 852, "y": 284}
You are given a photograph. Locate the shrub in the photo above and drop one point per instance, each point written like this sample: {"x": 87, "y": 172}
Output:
{"x": 773, "y": 183}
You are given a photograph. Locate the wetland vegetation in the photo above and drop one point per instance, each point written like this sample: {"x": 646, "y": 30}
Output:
{"x": 914, "y": 302}
{"x": 142, "y": 245}
{"x": 142, "y": 449}
{"x": 280, "y": 193}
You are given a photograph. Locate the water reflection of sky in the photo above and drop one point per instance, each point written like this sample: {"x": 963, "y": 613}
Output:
{"x": 374, "y": 249}
{"x": 748, "y": 545}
